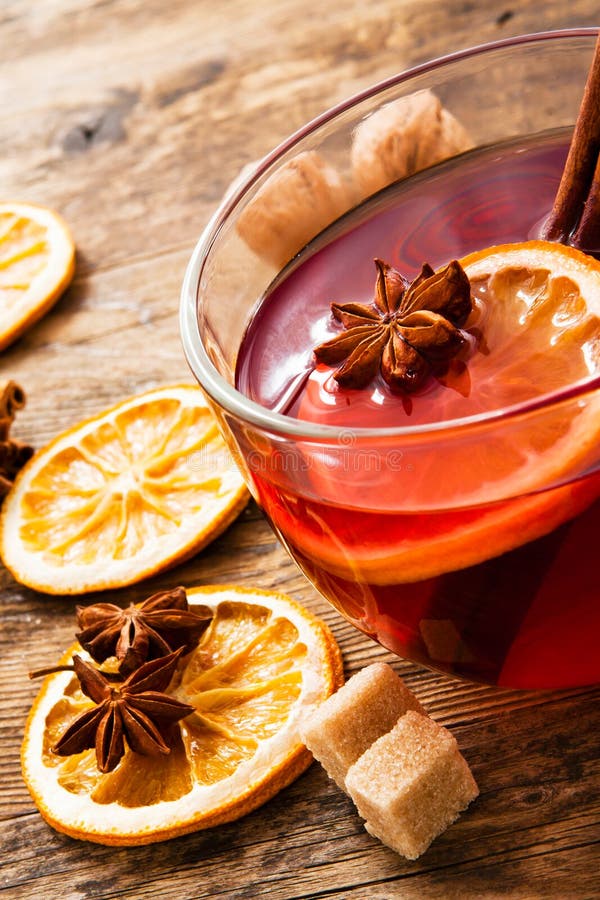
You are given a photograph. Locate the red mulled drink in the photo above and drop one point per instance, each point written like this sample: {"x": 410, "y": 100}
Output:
{"x": 461, "y": 554}
{"x": 424, "y": 439}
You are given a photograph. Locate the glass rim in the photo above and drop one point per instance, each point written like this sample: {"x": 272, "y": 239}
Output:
{"x": 226, "y": 395}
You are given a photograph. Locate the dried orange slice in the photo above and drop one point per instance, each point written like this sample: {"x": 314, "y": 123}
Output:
{"x": 37, "y": 261}
{"x": 263, "y": 663}
{"x": 542, "y": 333}
{"x": 121, "y": 496}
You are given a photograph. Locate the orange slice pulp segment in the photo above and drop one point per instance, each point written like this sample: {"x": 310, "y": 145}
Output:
{"x": 261, "y": 665}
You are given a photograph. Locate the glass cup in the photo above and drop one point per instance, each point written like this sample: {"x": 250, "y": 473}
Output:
{"x": 488, "y": 580}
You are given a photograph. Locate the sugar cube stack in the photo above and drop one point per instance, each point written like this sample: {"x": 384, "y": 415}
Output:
{"x": 349, "y": 721}
{"x": 403, "y": 771}
{"x": 411, "y": 784}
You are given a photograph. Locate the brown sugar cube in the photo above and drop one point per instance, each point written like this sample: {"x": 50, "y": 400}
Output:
{"x": 348, "y": 722}
{"x": 444, "y": 642}
{"x": 292, "y": 207}
{"x": 411, "y": 784}
{"x": 404, "y": 137}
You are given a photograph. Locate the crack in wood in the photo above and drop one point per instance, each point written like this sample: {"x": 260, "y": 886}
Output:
{"x": 105, "y": 125}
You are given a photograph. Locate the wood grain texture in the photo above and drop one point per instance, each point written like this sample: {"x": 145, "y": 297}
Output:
{"x": 131, "y": 117}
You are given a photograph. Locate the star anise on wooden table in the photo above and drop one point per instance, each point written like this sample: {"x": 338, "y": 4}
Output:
{"x": 159, "y": 625}
{"x": 13, "y": 454}
{"x": 409, "y": 331}
{"x": 135, "y": 712}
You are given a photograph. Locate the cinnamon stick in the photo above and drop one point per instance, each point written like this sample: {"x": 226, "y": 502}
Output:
{"x": 575, "y": 216}
{"x": 12, "y": 398}
{"x": 587, "y": 234}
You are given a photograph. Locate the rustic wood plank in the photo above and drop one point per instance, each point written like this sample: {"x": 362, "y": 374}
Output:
{"x": 154, "y": 142}
{"x": 131, "y": 117}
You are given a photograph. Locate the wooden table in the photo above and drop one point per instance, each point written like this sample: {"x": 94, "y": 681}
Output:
{"x": 131, "y": 117}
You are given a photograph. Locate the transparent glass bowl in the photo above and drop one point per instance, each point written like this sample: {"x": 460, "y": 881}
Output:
{"x": 519, "y": 87}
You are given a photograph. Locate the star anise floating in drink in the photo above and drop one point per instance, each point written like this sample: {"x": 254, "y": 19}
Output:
{"x": 132, "y": 710}
{"x": 156, "y": 627}
{"x": 409, "y": 331}
{"x": 135, "y": 711}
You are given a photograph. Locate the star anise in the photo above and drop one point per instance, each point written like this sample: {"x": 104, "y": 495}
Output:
{"x": 409, "y": 331}
{"x": 135, "y": 712}
{"x": 13, "y": 454}
{"x": 161, "y": 624}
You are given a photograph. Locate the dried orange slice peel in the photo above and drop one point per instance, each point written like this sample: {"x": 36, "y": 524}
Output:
{"x": 121, "y": 496}
{"x": 37, "y": 262}
{"x": 263, "y": 663}
{"x": 544, "y": 334}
